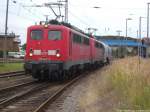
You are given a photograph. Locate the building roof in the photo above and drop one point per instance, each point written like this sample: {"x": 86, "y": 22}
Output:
{"x": 120, "y": 41}
{"x": 10, "y": 35}
{"x": 123, "y": 43}
{"x": 115, "y": 37}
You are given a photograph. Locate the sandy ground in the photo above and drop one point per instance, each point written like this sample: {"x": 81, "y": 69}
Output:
{"x": 89, "y": 94}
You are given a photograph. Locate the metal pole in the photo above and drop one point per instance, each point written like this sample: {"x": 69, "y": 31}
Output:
{"x": 66, "y": 12}
{"x": 125, "y": 53}
{"x": 6, "y": 29}
{"x": 127, "y": 32}
{"x": 140, "y": 35}
{"x": 126, "y": 27}
{"x": 137, "y": 33}
{"x": 147, "y": 24}
{"x": 140, "y": 53}
{"x": 148, "y": 20}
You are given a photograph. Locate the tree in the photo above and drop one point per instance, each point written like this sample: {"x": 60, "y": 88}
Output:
{"x": 24, "y": 47}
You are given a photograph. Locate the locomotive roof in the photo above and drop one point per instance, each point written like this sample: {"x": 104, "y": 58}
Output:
{"x": 74, "y": 29}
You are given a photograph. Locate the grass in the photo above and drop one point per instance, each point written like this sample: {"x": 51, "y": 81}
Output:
{"x": 9, "y": 67}
{"x": 131, "y": 81}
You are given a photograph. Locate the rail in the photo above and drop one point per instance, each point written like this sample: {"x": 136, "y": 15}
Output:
{"x": 52, "y": 98}
{"x": 12, "y": 74}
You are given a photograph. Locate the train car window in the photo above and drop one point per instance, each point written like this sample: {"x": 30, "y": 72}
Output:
{"x": 54, "y": 35}
{"x": 36, "y": 34}
{"x": 97, "y": 44}
{"x": 86, "y": 41}
{"x": 100, "y": 45}
{"x": 77, "y": 38}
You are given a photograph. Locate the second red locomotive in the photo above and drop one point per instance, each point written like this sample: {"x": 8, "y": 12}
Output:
{"x": 54, "y": 51}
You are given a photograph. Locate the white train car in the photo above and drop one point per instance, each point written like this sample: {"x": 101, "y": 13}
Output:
{"x": 107, "y": 53}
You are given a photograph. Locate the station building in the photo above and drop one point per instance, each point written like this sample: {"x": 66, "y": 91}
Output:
{"x": 125, "y": 46}
{"x": 12, "y": 43}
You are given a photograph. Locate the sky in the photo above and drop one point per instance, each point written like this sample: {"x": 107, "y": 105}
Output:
{"x": 110, "y": 17}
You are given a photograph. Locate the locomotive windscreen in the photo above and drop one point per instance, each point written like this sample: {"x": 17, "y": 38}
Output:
{"x": 36, "y": 34}
{"x": 54, "y": 35}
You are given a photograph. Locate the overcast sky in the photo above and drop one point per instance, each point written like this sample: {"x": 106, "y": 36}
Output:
{"x": 107, "y": 19}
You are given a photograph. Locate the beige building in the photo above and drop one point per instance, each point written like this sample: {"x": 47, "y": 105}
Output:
{"x": 12, "y": 42}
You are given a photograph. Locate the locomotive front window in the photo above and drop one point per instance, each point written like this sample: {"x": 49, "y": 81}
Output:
{"x": 54, "y": 35}
{"x": 36, "y": 34}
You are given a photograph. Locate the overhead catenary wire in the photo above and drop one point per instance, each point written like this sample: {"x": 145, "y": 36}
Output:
{"x": 79, "y": 19}
{"x": 29, "y": 11}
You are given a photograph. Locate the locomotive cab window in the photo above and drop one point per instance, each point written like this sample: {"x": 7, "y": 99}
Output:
{"x": 36, "y": 34}
{"x": 54, "y": 35}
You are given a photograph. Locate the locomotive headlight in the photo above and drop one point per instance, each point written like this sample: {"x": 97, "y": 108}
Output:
{"x": 45, "y": 26}
{"x": 31, "y": 54}
{"x": 57, "y": 55}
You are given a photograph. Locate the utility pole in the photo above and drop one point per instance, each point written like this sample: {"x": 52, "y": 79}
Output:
{"x": 140, "y": 36}
{"x": 147, "y": 25}
{"x": 6, "y": 30}
{"x": 66, "y": 11}
{"x": 126, "y": 37}
{"x": 148, "y": 20}
{"x": 139, "y": 47}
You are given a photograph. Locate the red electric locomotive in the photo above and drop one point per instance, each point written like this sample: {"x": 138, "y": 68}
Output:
{"x": 54, "y": 50}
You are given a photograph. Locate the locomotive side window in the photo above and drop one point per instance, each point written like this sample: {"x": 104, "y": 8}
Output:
{"x": 101, "y": 45}
{"x": 77, "y": 38}
{"x": 86, "y": 41}
{"x": 54, "y": 35}
{"x": 36, "y": 34}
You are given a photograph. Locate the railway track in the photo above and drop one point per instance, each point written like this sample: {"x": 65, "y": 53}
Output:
{"x": 7, "y": 89}
{"x": 12, "y": 74}
{"x": 43, "y": 106}
{"x": 37, "y": 98}
{"x": 16, "y": 92}
{"x": 8, "y": 82}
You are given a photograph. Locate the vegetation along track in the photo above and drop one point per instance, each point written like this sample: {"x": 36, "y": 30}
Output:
{"x": 37, "y": 100}
{"x": 12, "y": 74}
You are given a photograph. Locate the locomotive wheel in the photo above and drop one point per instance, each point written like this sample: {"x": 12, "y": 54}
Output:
{"x": 65, "y": 75}
{"x": 60, "y": 75}
{"x": 54, "y": 76}
{"x": 40, "y": 77}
